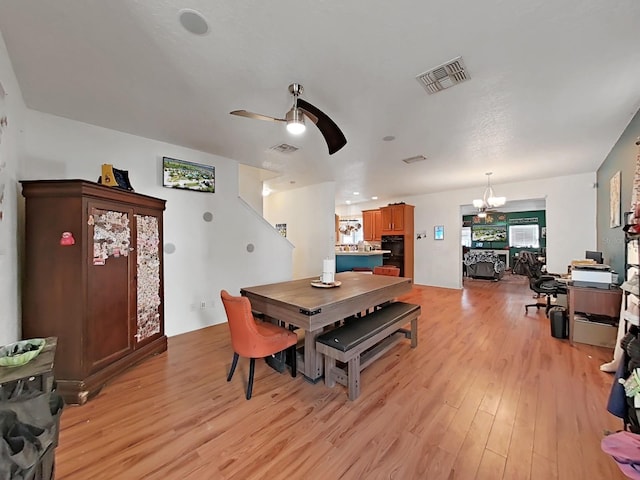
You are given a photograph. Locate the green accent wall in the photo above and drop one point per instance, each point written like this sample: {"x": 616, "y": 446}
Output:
{"x": 622, "y": 158}
{"x": 500, "y": 222}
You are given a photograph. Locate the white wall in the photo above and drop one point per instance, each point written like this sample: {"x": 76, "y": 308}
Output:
{"x": 571, "y": 225}
{"x": 309, "y": 215}
{"x": 250, "y": 186}
{"x": 570, "y": 213}
{"x": 12, "y": 106}
{"x": 209, "y": 256}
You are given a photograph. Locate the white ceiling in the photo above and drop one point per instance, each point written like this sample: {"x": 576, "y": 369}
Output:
{"x": 552, "y": 87}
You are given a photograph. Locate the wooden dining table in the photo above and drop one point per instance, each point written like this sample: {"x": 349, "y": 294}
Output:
{"x": 311, "y": 308}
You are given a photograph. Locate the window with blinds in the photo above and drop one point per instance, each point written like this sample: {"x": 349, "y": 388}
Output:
{"x": 526, "y": 236}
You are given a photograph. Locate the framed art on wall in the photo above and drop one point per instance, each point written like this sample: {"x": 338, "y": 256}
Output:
{"x": 614, "y": 200}
{"x": 188, "y": 175}
{"x": 438, "y": 232}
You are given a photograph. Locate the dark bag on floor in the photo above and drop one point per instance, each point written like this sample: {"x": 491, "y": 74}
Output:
{"x": 559, "y": 322}
{"x": 27, "y": 430}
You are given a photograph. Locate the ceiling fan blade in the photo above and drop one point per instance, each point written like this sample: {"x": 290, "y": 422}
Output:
{"x": 332, "y": 134}
{"x": 257, "y": 116}
{"x": 309, "y": 115}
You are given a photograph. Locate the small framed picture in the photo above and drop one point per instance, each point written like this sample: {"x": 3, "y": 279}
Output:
{"x": 438, "y": 232}
{"x": 282, "y": 229}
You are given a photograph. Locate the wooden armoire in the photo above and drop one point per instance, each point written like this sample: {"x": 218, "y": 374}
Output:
{"x": 93, "y": 277}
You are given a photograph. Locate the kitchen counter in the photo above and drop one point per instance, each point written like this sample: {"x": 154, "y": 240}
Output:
{"x": 347, "y": 261}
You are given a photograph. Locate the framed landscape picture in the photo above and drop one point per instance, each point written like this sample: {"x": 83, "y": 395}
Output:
{"x": 188, "y": 175}
{"x": 492, "y": 233}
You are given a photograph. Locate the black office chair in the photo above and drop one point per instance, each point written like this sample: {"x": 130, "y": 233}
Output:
{"x": 548, "y": 286}
{"x": 544, "y": 284}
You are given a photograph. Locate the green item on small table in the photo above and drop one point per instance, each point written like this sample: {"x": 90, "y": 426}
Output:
{"x": 20, "y": 353}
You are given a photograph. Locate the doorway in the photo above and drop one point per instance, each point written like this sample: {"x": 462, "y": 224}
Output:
{"x": 520, "y": 225}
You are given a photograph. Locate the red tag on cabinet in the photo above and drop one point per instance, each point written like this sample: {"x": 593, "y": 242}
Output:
{"x": 67, "y": 239}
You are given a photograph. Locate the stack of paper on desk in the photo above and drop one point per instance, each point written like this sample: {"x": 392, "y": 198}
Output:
{"x": 599, "y": 276}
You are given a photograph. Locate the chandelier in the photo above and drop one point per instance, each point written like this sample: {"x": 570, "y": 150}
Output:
{"x": 489, "y": 199}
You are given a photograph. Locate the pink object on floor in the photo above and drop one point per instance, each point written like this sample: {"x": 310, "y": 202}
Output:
{"x": 624, "y": 448}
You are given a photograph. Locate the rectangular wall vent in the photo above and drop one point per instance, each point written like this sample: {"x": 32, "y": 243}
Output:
{"x": 417, "y": 158}
{"x": 284, "y": 148}
{"x": 443, "y": 76}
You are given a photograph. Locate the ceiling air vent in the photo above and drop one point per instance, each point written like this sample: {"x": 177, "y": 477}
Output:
{"x": 443, "y": 76}
{"x": 417, "y": 158}
{"x": 284, "y": 148}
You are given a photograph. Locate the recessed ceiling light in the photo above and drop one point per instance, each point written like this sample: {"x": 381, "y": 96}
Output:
{"x": 348, "y": 202}
{"x": 356, "y": 193}
{"x": 374, "y": 198}
{"x": 193, "y": 21}
{"x": 389, "y": 138}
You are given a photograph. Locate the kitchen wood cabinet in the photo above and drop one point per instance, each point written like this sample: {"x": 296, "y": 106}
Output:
{"x": 372, "y": 225}
{"x": 93, "y": 278}
{"x": 397, "y": 219}
{"x": 377, "y": 225}
{"x": 398, "y": 236}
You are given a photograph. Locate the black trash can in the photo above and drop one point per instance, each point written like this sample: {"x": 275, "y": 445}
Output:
{"x": 559, "y": 322}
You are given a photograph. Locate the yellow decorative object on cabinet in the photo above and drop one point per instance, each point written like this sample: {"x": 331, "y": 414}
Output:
{"x": 108, "y": 178}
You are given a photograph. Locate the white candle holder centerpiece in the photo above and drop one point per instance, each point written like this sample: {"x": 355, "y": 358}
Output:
{"x": 328, "y": 271}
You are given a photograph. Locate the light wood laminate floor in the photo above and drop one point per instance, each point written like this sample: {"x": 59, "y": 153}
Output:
{"x": 487, "y": 394}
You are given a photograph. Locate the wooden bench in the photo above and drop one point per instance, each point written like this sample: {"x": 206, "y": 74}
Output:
{"x": 363, "y": 340}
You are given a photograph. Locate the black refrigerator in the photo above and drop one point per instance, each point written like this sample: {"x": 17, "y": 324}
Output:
{"x": 395, "y": 257}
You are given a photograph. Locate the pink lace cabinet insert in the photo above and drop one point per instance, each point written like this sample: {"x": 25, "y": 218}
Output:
{"x": 148, "y": 291}
{"x": 102, "y": 294}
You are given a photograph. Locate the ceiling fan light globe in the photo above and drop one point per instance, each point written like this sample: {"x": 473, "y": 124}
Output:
{"x": 482, "y": 214}
{"x": 296, "y": 128}
{"x": 478, "y": 203}
{"x": 295, "y": 121}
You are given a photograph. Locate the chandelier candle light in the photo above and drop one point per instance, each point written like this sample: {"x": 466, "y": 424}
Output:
{"x": 489, "y": 199}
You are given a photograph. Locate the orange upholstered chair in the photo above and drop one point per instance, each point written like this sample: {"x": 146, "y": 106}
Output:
{"x": 253, "y": 339}
{"x": 387, "y": 270}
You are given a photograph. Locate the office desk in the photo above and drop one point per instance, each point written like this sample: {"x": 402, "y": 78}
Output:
{"x": 310, "y": 308}
{"x": 597, "y": 301}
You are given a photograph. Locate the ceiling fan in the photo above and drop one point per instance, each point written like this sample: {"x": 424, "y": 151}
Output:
{"x": 294, "y": 119}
